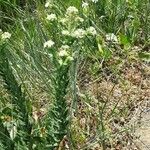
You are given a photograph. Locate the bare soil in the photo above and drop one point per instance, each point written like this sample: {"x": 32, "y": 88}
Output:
{"x": 143, "y": 131}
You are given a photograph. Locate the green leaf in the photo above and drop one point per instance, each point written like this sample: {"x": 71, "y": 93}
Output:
{"x": 144, "y": 56}
{"x": 124, "y": 40}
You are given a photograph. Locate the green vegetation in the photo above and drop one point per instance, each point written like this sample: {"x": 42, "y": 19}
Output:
{"x": 72, "y": 72}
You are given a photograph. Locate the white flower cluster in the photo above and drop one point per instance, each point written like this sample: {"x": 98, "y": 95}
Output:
{"x": 85, "y": 5}
{"x": 64, "y": 55}
{"x": 63, "y": 20}
{"x": 111, "y": 37}
{"x": 63, "y": 50}
{"x": 48, "y": 3}
{"x": 65, "y": 32}
{"x": 5, "y": 35}
{"x": 51, "y": 17}
{"x": 64, "y": 47}
{"x": 68, "y": 19}
{"x": 79, "y": 19}
{"x": 79, "y": 33}
{"x": 71, "y": 11}
{"x": 48, "y": 44}
{"x": 91, "y": 31}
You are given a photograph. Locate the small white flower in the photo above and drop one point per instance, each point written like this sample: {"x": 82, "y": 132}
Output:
{"x": 6, "y": 35}
{"x": 63, "y": 50}
{"x": 48, "y": 44}
{"x": 63, "y": 20}
{"x": 111, "y": 37}
{"x": 0, "y": 30}
{"x": 51, "y": 17}
{"x": 85, "y": 5}
{"x": 94, "y": 1}
{"x": 79, "y": 33}
{"x": 64, "y": 47}
{"x": 79, "y": 19}
{"x": 70, "y": 58}
{"x": 47, "y": 4}
{"x": 63, "y": 53}
{"x": 91, "y": 30}
{"x": 65, "y": 32}
{"x": 71, "y": 11}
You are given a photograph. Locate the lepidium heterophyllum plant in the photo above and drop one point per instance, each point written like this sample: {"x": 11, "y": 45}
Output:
{"x": 66, "y": 44}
